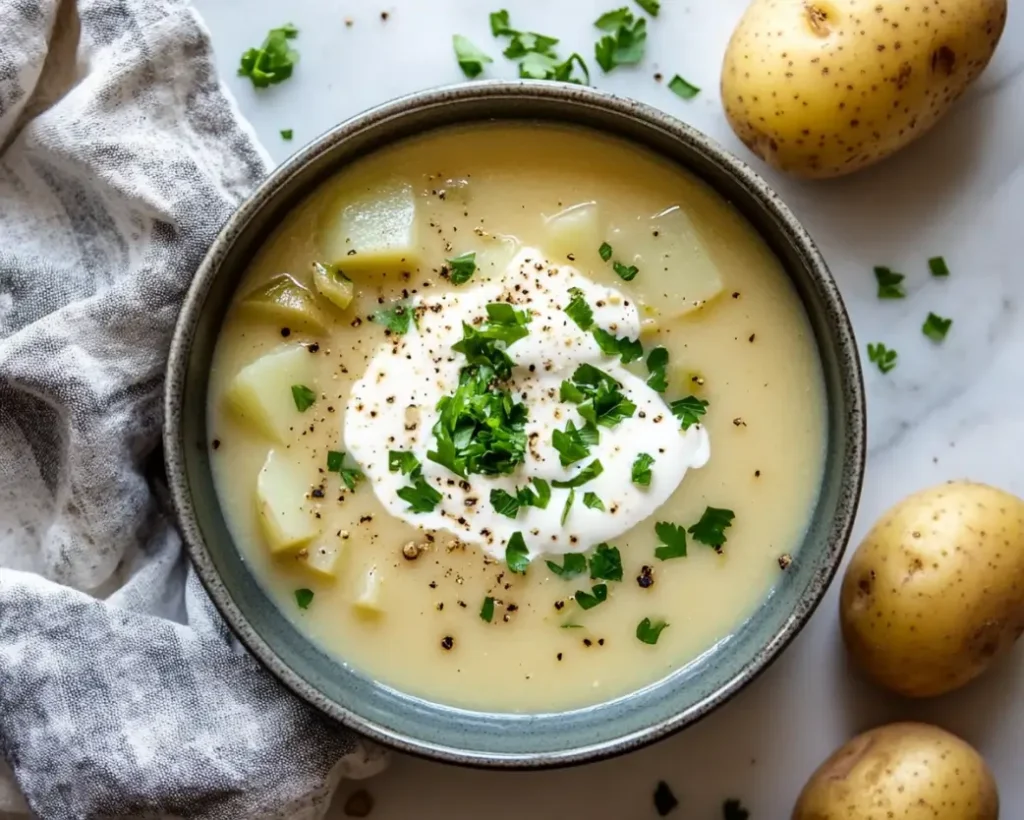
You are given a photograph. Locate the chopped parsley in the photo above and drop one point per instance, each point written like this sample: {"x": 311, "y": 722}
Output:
{"x": 588, "y": 473}
{"x": 573, "y": 564}
{"x": 536, "y": 53}
{"x": 593, "y": 501}
{"x": 606, "y": 564}
{"x": 664, "y": 800}
{"x": 652, "y": 7}
{"x": 607, "y": 407}
{"x": 882, "y": 356}
{"x": 673, "y": 540}
{"x": 732, "y": 809}
{"x": 568, "y": 505}
{"x": 274, "y": 61}
{"x": 462, "y": 268}
{"x": 889, "y": 283}
{"x": 657, "y": 364}
{"x": 303, "y": 396}
{"x": 287, "y": 133}
{"x": 401, "y": 461}
{"x": 421, "y": 497}
{"x": 537, "y": 66}
{"x": 579, "y": 311}
{"x": 471, "y": 59}
{"x": 648, "y": 631}
{"x": 626, "y": 41}
{"x": 605, "y": 251}
{"x": 937, "y": 265}
{"x": 506, "y": 504}
{"x": 711, "y": 528}
{"x": 570, "y": 444}
{"x": 642, "y": 469}
{"x": 542, "y": 493}
{"x": 396, "y": 318}
{"x": 682, "y": 88}
{"x": 935, "y": 327}
{"x": 303, "y": 597}
{"x": 349, "y": 475}
{"x": 689, "y": 410}
{"x": 588, "y": 600}
{"x": 517, "y": 556}
{"x": 628, "y": 349}
{"x": 626, "y": 273}
{"x": 487, "y": 610}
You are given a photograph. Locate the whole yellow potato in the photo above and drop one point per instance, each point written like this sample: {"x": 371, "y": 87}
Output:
{"x": 909, "y": 771}
{"x": 935, "y": 591}
{"x": 821, "y": 88}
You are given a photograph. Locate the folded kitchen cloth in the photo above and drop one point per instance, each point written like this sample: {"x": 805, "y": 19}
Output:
{"x": 122, "y": 694}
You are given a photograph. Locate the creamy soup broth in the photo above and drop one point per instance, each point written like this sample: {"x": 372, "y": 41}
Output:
{"x": 748, "y": 351}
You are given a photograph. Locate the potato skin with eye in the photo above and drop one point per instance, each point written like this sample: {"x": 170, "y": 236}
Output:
{"x": 822, "y": 88}
{"x": 909, "y": 771}
{"x": 935, "y": 592}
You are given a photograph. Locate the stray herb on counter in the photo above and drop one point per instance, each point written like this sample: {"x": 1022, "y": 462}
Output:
{"x": 471, "y": 59}
{"x": 711, "y": 528}
{"x": 657, "y": 363}
{"x": 626, "y": 42}
{"x": 349, "y": 475}
{"x": 573, "y": 564}
{"x": 605, "y": 251}
{"x": 517, "y": 556}
{"x": 303, "y": 597}
{"x": 935, "y": 327}
{"x": 627, "y": 273}
{"x": 882, "y": 356}
{"x": 683, "y": 89}
{"x": 606, "y": 564}
{"x": 588, "y": 600}
{"x": 397, "y": 318}
{"x": 664, "y": 800}
{"x": 287, "y": 133}
{"x": 536, "y": 53}
{"x": 673, "y": 539}
{"x": 487, "y": 610}
{"x": 462, "y": 268}
{"x": 588, "y": 473}
{"x": 303, "y": 396}
{"x": 652, "y": 7}
{"x": 937, "y": 265}
{"x": 579, "y": 311}
{"x": 642, "y": 470}
{"x": 889, "y": 283}
{"x": 689, "y": 410}
{"x": 648, "y": 631}
{"x": 274, "y": 61}
{"x": 733, "y": 810}
{"x": 421, "y": 497}
{"x": 593, "y": 501}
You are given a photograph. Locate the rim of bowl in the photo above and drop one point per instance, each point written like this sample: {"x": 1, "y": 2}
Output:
{"x": 754, "y": 186}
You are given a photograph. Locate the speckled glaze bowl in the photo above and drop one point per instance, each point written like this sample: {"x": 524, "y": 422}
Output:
{"x": 476, "y": 738}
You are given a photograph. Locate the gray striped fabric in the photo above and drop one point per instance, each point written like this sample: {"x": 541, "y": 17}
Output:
{"x": 122, "y": 695}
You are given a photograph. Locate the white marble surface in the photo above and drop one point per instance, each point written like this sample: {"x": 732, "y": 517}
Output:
{"x": 950, "y": 411}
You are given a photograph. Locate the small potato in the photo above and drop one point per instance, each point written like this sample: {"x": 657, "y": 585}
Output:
{"x": 909, "y": 771}
{"x": 822, "y": 88}
{"x": 936, "y": 590}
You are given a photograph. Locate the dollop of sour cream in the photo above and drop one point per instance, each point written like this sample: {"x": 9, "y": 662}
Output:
{"x": 393, "y": 407}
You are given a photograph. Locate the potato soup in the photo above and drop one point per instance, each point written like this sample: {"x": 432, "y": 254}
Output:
{"x": 516, "y": 417}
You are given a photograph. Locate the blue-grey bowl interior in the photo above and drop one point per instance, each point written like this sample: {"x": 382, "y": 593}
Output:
{"x": 452, "y": 734}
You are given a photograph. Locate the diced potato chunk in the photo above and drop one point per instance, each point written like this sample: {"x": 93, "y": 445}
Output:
{"x": 261, "y": 393}
{"x": 369, "y": 600}
{"x": 575, "y": 232}
{"x": 321, "y": 560}
{"x": 285, "y": 301}
{"x": 377, "y": 230}
{"x": 286, "y": 517}
{"x": 668, "y": 241}
{"x": 494, "y": 252}
{"x": 333, "y": 285}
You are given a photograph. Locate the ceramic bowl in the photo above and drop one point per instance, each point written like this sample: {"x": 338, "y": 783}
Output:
{"x": 477, "y": 738}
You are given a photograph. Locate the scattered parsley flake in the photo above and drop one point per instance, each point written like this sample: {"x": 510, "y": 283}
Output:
{"x": 629, "y": 350}
{"x": 334, "y": 461}
{"x": 593, "y": 501}
{"x": 657, "y": 365}
{"x": 683, "y": 89}
{"x": 573, "y": 564}
{"x": 397, "y": 318}
{"x": 570, "y": 444}
{"x": 652, "y": 7}
{"x": 689, "y": 410}
{"x": 588, "y": 473}
{"x": 936, "y": 328}
{"x": 579, "y": 311}
{"x": 504, "y": 503}
{"x": 401, "y": 461}
{"x": 303, "y": 597}
{"x": 605, "y": 251}
{"x": 626, "y": 273}
{"x": 626, "y": 42}
{"x": 517, "y": 556}
{"x": 711, "y": 528}
{"x": 500, "y": 23}
{"x": 471, "y": 59}
{"x": 462, "y": 268}
{"x": 303, "y": 397}
{"x": 287, "y": 133}
{"x": 649, "y": 632}
{"x": 642, "y": 469}
{"x": 882, "y": 356}
{"x": 606, "y": 563}
{"x": 349, "y": 475}
{"x": 536, "y": 53}
{"x": 421, "y": 497}
{"x": 568, "y": 505}
{"x": 673, "y": 539}
{"x": 937, "y": 265}
{"x": 889, "y": 283}
{"x": 487, "y": 610}
{"x": 274, "y": 61}
{"x": 588, "y": 600}
{"x": 543, "y": 493}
